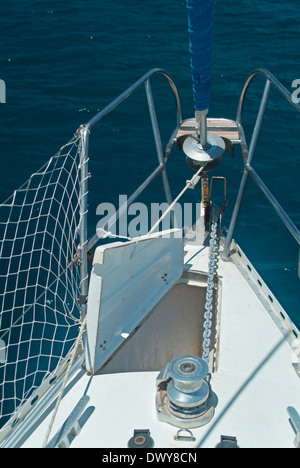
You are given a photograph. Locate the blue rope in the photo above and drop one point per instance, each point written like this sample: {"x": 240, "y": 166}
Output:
{"x": 200, "y": 19}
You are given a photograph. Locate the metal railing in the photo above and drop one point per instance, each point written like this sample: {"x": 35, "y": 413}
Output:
{"x": 86, "y": 244}
{"x": 248, "y": 155}
{"x": 24, "y": 417}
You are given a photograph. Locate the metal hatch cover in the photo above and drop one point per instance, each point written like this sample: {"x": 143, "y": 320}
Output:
{"x": 127, "y": 280}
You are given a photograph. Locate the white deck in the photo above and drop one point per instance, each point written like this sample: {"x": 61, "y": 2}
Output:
{"x": 255, "y": 381}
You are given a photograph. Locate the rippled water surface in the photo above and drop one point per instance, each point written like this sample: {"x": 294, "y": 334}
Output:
{"x": 63, "y": 61}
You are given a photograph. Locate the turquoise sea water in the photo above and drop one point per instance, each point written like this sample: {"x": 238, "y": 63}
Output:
{"x": 63, "y": 61}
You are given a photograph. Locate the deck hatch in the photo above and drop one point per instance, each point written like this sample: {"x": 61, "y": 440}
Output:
{"x": 127, "y": 281}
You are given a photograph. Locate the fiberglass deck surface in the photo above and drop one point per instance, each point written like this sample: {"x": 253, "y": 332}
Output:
{"x": 255, "y": 383}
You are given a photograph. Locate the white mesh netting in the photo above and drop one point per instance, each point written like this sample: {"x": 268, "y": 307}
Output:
{"x": 39, "y": 277}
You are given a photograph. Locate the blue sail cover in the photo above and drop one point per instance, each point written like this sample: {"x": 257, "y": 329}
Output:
{"x": 200, "y": 19}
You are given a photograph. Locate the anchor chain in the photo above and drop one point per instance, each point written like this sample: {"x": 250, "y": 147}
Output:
{"x": 214, "y": 244}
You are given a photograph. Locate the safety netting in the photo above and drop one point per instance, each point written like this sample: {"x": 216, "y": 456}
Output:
{"x": 39, "y": 277}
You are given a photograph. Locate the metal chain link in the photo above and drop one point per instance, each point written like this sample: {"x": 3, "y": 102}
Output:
{"x": 214, "y": 243}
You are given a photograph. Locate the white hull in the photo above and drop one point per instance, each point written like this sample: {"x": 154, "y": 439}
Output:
{"x": 254, "y": 379}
